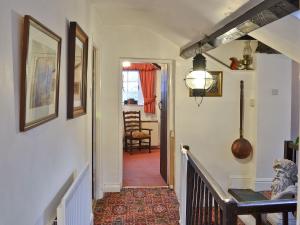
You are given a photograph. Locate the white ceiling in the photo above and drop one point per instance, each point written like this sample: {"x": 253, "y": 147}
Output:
{"x": 180, "y": 21}
{"x": 282, "y": 35}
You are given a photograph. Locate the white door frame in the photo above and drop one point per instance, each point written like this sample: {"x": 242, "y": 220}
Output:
{"x": 98, "y": 127}
{"x": 171, "y": 107}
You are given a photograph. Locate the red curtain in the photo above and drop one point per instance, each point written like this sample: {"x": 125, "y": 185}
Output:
{"x": 148, "y": 79}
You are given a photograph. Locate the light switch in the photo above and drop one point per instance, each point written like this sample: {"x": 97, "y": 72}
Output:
{"x": 172, "y": 133}
{"x": 252, "y": 102}
{"x": 275, "y": 91}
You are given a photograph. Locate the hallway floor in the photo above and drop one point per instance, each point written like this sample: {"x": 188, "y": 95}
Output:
{"x": 142, "y": 169}
{"x": 138, "y": 206}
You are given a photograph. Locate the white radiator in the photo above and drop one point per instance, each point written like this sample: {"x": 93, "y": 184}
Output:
{"x": 76, "y": 205}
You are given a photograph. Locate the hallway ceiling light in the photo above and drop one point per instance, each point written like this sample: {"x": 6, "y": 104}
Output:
{"x": 126, "y": 64}
{"x": 199, "y": 80}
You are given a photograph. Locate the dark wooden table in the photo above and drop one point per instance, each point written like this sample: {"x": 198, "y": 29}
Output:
{"x": 248, "y": 195}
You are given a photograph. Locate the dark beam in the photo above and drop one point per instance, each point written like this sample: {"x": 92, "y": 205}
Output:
{"x": 258, "y": 16}
{"x": 246, "y": 37}
{"x": 262, "y": 48}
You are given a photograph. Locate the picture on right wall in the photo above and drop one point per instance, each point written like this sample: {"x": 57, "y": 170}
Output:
{"x": 77, "y": 71}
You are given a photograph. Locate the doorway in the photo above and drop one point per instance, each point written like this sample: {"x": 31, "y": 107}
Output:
{"x": 138, "y": 166}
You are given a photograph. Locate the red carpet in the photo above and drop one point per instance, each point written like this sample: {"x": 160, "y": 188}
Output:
{"x": 138, "y": 206}
{"x": 142, "y": 169}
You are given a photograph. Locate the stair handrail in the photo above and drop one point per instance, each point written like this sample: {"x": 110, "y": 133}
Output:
{"x": 230, "y": 207}
{"x": 206, "y": 175}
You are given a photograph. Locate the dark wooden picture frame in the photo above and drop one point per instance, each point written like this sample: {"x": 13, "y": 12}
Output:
{"x": 217, "y": 88}
{"x": 77, "y": 71}
{"x": 40, "y": 73}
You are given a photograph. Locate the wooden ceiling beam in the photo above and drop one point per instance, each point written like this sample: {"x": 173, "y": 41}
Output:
{"x": 248, "y": 20}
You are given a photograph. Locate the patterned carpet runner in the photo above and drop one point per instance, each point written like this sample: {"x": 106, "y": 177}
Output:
{"x": 138, "y": 206}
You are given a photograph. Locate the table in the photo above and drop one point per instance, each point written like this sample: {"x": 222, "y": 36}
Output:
{"x": 258, "y": 204}
{"x": 248, "y": 195}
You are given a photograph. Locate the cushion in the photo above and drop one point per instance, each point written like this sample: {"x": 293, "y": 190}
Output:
{"x": 139, "y": 134}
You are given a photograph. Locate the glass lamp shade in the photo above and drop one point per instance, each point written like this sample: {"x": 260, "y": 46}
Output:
{"x": 199, "y": 79}
{"x": 247, "y": 56}
{"x": 247, "y": 49}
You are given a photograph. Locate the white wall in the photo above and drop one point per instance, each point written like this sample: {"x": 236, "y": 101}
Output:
{"x": 116, "y": 43}
{"x": 35, "y": 165}
{"x": 282, "y": 35}
{"x": 295, "y": 101}
{"x": 210, "y": 129}
{"x": 274, "y": 73}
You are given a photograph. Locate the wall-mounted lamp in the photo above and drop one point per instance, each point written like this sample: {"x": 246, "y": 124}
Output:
{"x": 199, "y": 81}
{"x": 247, "y": 56}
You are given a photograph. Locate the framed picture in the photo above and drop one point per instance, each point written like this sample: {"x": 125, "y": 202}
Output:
{"x": 77, "y": 71}
{"x": 215, "y": 90}
{"x": 39, "y": 94}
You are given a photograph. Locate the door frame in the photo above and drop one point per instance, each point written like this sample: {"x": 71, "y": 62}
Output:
{"x": 98, "y": 191}
{"x": 94, "y": 120}
{"x": 170, "y": 108}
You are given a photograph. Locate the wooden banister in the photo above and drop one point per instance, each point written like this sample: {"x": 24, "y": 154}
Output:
{"x": 207, "y": 203}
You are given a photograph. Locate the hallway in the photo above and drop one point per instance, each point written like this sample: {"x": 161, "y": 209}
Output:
{"x": 138, "y": 206}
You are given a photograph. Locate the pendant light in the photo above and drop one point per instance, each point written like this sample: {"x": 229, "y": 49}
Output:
{"x": 198, "y": 80}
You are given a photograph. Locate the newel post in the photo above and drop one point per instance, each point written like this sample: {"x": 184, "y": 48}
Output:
{"x": 230, "y": 214}
{"x": 186, "y": 147}
{"x": 184, "y": 186}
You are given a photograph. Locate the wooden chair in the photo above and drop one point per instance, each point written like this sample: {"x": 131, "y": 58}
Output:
{"x": 134, "y": 137}
{"x": 290, "y": 151}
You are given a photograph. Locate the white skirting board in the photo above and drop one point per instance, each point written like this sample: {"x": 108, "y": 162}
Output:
{"x": 99, "y": 194}
{"x": 262, "y": 184}
{"x": 112, "y": 187}
{"x": 258, "y": 184}
{"x": 92, "y": 219}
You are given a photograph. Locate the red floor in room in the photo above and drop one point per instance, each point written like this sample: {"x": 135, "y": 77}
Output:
{"x": 142, "y": 169}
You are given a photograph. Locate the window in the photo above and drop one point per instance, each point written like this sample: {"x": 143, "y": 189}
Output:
{"x": 132, "y": 86}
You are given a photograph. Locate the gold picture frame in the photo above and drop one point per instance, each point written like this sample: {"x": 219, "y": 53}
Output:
{"x": 216, "y": 90}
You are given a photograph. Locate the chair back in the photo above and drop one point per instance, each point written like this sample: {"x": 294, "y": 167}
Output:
{"x": 291, "y": 151}
{"x": 132, "y": 121}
